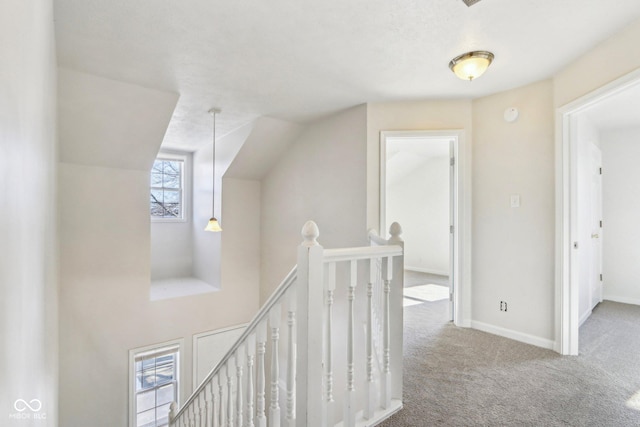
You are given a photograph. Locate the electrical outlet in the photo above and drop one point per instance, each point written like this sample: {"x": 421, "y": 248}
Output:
{"x": 503, "y": 306}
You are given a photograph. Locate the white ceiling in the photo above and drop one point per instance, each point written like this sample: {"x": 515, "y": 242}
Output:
{"x": 298, "y": 59}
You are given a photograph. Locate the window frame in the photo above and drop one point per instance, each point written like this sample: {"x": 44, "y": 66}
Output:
{"x": 159, "y": 348}
{"x": 185, "y": 188}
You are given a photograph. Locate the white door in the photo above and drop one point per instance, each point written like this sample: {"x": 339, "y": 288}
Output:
{"x": 595, "y": 271}
{"x": 452, "y": 230}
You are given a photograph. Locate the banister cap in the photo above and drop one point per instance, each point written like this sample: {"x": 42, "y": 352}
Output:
{"x": 310, "y": 233}
{"x": 395, "y": 230}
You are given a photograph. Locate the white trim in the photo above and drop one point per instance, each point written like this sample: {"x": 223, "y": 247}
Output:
{"x": 200, "y": 335}
{"x": 379, "y": 415}
{"x": 132, "y": 372}
{"x": 623, "y": 300}
{"x": 461, "y": 262}
{"x": 514, "y": 335}
{"x": 584, "y": 317}
{"x": 427, "y": 270}
{"x": 566, "y": 313}
{"x": 187, "y": 181}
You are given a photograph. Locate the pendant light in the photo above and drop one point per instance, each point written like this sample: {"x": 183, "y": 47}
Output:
{"x": 471, "y": 65}
{"x": 213, "y": 222}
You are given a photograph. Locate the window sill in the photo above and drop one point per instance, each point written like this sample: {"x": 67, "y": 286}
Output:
{"x": 168, "y": 220}
{"x": 179, "y": 287}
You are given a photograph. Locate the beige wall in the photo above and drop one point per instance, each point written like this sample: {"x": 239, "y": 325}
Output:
{"x": 321, "y": 177}
{"x": 611, "y": 59}
{"x": 241, "y": 240}
{"x": 104, "y": 291}
{"x": 28, "y": 249}
{"x": 513, "y": 248}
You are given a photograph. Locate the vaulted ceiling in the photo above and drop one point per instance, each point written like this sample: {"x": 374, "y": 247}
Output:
{"x": 298, "y": 60}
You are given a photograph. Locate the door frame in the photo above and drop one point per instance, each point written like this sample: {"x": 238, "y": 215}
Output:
{"x": 567, "y": 307}
{"x": 460, "y": 262}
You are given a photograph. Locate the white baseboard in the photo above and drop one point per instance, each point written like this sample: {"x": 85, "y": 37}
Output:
{"x": 427, "y": 270}
{"x": 624, "y": 300}
{"x": 584, "y": 317}
{"x": 464, "y": 323}
{"x": 514, "y": 335}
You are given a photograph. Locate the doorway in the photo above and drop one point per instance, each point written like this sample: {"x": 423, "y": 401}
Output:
{"x": 420, "y": 189}
{"x": 581, "y": 224}
{"x": 588, "y": 216}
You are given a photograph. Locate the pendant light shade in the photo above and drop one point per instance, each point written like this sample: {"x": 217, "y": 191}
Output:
{"x": 471, "y": 65}
{"x": 213, "y": 224}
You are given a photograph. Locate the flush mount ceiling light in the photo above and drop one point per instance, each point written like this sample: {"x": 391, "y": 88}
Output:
{"x": 213, "y": 224}
{"x": 471, "y": 65}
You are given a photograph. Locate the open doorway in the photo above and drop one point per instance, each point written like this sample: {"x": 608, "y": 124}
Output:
{"x": 598, "y": 205}
{"x": 419, "y": 189}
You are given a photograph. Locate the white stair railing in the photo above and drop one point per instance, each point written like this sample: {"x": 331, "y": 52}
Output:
{"x": 302, "y": 361}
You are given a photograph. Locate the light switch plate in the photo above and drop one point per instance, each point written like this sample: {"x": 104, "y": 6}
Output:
{"x": 515, "y": 200}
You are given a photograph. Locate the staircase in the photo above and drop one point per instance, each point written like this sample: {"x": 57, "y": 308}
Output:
{"x": 324, "y": 350}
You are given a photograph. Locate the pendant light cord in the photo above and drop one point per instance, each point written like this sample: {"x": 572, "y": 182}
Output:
{"x": 213, "y": 191}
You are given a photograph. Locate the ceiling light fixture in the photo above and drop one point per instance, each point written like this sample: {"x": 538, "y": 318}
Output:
{"x": 213, "y": 224}
{"x": 471, "y": 65}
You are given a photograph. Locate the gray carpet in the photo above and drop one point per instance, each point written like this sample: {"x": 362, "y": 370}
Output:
{"x": 462, "y": 377}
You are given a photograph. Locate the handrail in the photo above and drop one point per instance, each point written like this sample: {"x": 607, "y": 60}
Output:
{"x": 346, "y": 254}
{"x": 259, "y": 317}
{"x": 376, "y": 238}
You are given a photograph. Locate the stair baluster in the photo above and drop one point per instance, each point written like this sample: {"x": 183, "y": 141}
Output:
{"x": 239, "y": 404}
{"x": 261, "y": 382}
{"x": 274, "y": 407}
{"x": 291, "y": 360}
{"x": 349, "y": 400}
{"x": 251, "y": 349}
{"x": 221, "y": 418}
{"x": 330, "y": 281}
{"x": 386, "y": 362}
{"x": 229, "y": 395}
{"x": 370, "y": 385}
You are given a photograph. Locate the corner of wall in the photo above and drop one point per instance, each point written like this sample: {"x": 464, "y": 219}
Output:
{"x": 513, "y": 248}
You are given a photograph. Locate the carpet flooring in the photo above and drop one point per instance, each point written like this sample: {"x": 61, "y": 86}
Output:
{"x": 463, "y": 377}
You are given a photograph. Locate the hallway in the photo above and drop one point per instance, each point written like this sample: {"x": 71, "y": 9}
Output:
{"x": 464, "y": 377}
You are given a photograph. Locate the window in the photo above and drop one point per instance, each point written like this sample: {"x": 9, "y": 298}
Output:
{"x": 167, "y": 183}
{"x": 154, "y": 384}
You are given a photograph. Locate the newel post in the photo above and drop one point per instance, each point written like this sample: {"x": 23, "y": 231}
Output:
{"x": 396, "y": 297}
{"x": 309, "y": 329}
{"x": 172, "y": 412}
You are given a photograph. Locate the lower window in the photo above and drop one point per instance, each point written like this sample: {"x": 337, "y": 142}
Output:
{"x": 155, "y": 381}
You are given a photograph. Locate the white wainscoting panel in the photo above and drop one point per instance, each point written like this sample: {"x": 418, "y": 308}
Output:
{"x": 209, "y": 348}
